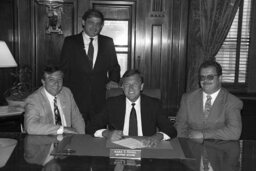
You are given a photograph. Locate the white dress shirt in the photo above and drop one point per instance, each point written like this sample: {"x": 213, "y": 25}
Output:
{"x": 128, "y": 109}
{"x": 62, "y": 116}
{"x": 213, "y": 95}
{"x": 87, "y": 40}
{"x": 127, "y": 117}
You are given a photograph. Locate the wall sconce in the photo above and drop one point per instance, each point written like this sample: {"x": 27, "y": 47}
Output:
{"x": 53, "y": 10}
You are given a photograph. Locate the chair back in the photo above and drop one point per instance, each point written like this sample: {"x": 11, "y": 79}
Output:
{"x": 156, "y": 93}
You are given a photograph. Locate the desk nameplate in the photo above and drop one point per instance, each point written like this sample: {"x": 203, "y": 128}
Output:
{"x": 125, "y": 154}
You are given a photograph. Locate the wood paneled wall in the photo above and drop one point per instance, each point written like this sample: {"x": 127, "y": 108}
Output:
{"x": 7, "y": 33}
{"x": 161, "y": 29}
{"x": 158, "y": 40}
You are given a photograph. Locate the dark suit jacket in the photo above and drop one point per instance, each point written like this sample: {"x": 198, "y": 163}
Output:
{"x": 224, "y": 121}
{"x": 87, "y": 85}
{"x": 152, "y": 117}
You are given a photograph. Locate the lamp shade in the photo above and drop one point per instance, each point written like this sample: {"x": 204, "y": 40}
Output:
{"x": 6, "y": 58}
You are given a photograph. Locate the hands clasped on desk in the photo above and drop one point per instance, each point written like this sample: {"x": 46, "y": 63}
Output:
{"x": 150, "y": 141}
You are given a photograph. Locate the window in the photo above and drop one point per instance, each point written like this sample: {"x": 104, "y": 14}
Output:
{"x": 233, "y": 55}
{"x": 118, "y": 30}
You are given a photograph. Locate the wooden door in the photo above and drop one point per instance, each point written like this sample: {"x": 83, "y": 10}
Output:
{"x": 157, "y": 42}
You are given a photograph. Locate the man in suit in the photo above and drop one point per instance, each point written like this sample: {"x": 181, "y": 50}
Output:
{"x": 90, "y": 65}
{"x": 132, "y": 114}
{"x": 210, "y": 112}
{"x": 52, "y": 109}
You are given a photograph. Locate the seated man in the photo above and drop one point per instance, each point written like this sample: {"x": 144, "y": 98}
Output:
{"x": 210, "y": 112}
{"x": 134, "y": 114}
{"x": 52, "y": 109}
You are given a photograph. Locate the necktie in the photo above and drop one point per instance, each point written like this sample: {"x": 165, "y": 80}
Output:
{"x": 56, "y": 112}
{"x": 90, "y": 52}
{"x": 208, "y": 106}
{"x": 205, "y": 160}
{"x": 133, "y": 128}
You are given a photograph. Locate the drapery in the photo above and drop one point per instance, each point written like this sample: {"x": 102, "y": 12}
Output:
{"x": 209, "y": 24}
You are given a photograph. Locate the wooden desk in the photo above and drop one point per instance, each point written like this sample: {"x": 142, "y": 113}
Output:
{"x": 11, "y": 118}
{"x": 31, "y": 151}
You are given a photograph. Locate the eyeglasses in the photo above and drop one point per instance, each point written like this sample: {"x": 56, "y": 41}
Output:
{"x": 207, "y": 77}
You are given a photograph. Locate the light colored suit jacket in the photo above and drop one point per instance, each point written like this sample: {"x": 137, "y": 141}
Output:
{"x": 224, "y": 121}
{"x": 38, "y": 117}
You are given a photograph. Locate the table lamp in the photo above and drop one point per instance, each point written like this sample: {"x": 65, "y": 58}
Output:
{"x": 6, "y": 58}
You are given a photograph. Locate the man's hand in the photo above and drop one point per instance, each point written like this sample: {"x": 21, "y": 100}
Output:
{"x": 196, "y": 136}
{"x": 69, "y": 130}
{"x": 112, "y": 84}
{"x": 112, "y": 135}
{"x": 153, "y": 141}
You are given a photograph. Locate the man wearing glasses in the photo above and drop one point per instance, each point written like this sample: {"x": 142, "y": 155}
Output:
{"x": 210, "y": 112}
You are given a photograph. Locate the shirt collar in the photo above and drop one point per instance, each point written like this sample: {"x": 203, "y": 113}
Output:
{"x": 87, "y": 38}
{"x": 130, "y": 102}
{"x": 213, "y": 95}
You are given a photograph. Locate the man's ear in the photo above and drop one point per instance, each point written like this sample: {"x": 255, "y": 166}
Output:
{"x": 83, "y": 23}
{"x": 43, "y": 82}
{"x": 220, "y": 78}
{"x": 141, "y": 86}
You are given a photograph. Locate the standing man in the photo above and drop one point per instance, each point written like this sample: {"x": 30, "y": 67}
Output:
{"x": 51, "y": 109}
{"x": 210, "y": 112}
{"x": 90, "y": 64}
{"x": 132, "y": 114}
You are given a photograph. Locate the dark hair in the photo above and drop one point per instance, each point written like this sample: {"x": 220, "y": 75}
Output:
{"x": 131, "y": 72}
{"x": 49, "y": 69}
{"x": 211, "y": 63}
{"x": 93, "y": 13}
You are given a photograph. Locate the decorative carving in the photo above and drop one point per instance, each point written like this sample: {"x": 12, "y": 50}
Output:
{"x": 54, "y": 10}
{"x": 157, "y": 8}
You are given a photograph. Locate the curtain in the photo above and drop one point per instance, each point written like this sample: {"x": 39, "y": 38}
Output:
{"x": 209, "y": 24}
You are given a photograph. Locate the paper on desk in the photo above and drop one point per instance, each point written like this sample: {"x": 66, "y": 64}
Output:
{"x": 130, "y": 143}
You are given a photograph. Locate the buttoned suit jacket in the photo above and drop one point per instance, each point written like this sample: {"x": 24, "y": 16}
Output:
{"x": 89, "y": 85}
{"x": 224, "y": 121}
{"x": 152, "y": 117}
{"x": 38, "y": 118}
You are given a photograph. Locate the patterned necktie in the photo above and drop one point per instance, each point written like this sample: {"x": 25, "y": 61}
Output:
{"x": 205, "y": 160}
{"x": 208, "y": 106}
{"x": 56, "y": 112}
{"x": 90, "y": 52}
{"x": 133, "y": 128}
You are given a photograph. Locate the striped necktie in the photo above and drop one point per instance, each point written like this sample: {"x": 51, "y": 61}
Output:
{"x": 56, "y": 112}
{"x": 207, "y": 106}
{"x": 90, "y": 52}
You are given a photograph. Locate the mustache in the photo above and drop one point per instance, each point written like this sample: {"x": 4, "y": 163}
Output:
{"x": 207, "y": 83}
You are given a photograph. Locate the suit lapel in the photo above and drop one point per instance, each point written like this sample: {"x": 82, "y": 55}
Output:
{"x": 64, "y": 105}
{"x": 84, "y": 56}
{"x": 47, "y": 106}
{"x": 197, "y": 103}
{"x": 218, "y": 102}
{"x": 101, "y": 46}
{"x": 144, "y": 113}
